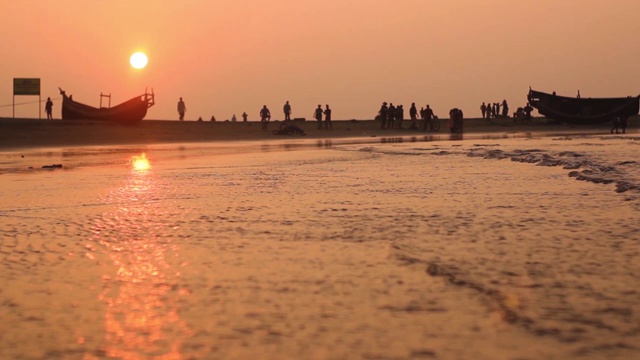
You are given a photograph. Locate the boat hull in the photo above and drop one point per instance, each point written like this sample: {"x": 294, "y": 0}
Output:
{"x": 583, "y": 110}
{"x": 129, "y": 112}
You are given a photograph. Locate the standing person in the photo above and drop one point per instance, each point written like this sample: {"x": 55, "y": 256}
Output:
{"x": 428, "y": 115}
{"x": 244, "y": 117}
{"x": 413, "y": 114}
{"x": 327, "y": 118}
{"x": 318, "y": 116}
{"x": 48, "y": 107}
{"x": 233, "y": 118}
{"x": 505, "y": 108}
{"x": 483, "y": 109}
{"x": 391, "y": 116}
{"x": 382, "y": 113}
{"x": 497, "y": 109}
{"x": 182, "y": 108}
{"x": 399, "y": 115}
{"x": 265, "y": 116}
{"x": 527, "y": 113}
{"x": 287, "y": 111}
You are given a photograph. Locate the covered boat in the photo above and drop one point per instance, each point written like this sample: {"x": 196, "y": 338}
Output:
{"x": 576, "y": 110}
{"x": 129, "y": 112}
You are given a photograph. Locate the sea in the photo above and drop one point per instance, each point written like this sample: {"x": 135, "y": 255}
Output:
{"x": 493, "y": 247}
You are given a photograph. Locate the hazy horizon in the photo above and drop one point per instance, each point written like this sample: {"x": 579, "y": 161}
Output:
{"x": 228, "y": 57}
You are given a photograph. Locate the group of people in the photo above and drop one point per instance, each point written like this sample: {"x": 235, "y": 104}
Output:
{"x": 392, "y": 117}
{"x": 492, "y": 110}
{"x": 317, "y": 114}
{"x": 523, "y": 113}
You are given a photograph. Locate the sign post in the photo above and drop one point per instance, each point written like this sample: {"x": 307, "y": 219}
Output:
{"x": 26, "y": 86}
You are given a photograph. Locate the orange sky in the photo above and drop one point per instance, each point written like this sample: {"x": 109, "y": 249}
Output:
{"x": 229, "y": 56}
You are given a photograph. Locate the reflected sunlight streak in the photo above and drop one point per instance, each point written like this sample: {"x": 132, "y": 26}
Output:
{"x": 141, "y": 287}
{"x": 140, "y": 163}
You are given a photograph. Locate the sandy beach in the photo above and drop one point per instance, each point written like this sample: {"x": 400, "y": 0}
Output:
{"x": 511, "y": 242}
{"x": 27, "y": 133}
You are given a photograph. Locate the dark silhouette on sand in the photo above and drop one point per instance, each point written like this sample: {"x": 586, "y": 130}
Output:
{"x": 382, "y": 115}
{"x": 182, "y": 108}
{"x": 48, "y": 107}
{"x": 327, "y": 119}
{"x": 287, "y": 111}
{"x": 318, "y": 116}
{"x": 265, "y": 117}
{"x": 456, "y": 121}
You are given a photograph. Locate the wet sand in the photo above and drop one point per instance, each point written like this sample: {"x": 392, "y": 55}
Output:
{"x": 498, "y": 248}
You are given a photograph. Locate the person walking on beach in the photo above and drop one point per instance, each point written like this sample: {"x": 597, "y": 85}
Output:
{"x": 382, "y": 113}
{"x": 287, "y": 111}
{"x": 483, "y": 109}
{"x": 48, "y": 108}
{"x": 327, "y": 119}
{"x": 265, "y": 116}
{"x": 182, "y": 108}
{"x": 318, "y": 116}
{"x": 244, "y": 117}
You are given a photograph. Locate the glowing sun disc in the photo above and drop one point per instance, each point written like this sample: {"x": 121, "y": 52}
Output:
{"x": 138, "y": 60}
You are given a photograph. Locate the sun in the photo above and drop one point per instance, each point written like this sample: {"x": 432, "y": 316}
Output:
{"x": 138, "y": 60}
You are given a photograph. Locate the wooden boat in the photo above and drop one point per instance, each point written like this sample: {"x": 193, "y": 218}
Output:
{"x": 129, "y": 112}
{"x": 583, "y": 110}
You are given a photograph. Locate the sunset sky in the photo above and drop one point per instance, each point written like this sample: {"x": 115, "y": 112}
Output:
{"x": 228, "y": 56}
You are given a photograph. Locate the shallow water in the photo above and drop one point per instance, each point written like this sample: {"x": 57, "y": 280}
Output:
{"x": 484, "y": 248}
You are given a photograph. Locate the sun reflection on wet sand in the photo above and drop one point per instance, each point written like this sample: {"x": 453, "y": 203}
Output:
{"x": 141, "y": 291}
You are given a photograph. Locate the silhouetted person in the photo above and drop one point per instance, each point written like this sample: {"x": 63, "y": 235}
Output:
{"x": 578, "y": 94}
{"x": 623, "y": 124}
{"x": 382, "y": 113}
{"x": 527, "y": 113}
{"x": 483, "y": 109}
{"x": 391, "y": 116}
{"x": 413, "y": 114}
{"x": 399, "y": 116}
{"x": 318, "y": 116}
{"x": 455, "y": 120}
{"x": 213, "y": 118}
{"x": 200, "y": 118}
{"x": 497, "y": 109}
{"x": 265, "y": 117}
{"x": 616, "y": 124}
{"x": 287, "y": 111}
{"x": 48, "y": 107}
{"x": 182, "y": 108}
{"x": 505, "y": 109}
{"x": 327, "y": 118}
{"x": 244, "y": 117}
{"x": 428, "y": 112}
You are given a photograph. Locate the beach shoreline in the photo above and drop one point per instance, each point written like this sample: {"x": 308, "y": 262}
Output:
{"x": 38, "y": 133}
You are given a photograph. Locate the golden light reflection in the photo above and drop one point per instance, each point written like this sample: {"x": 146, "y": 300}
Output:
{"x": 142, "y": 288}
{"x": 140, "y": 163}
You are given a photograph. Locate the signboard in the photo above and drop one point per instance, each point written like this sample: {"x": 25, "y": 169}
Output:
{"x": 26, "y": 86}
